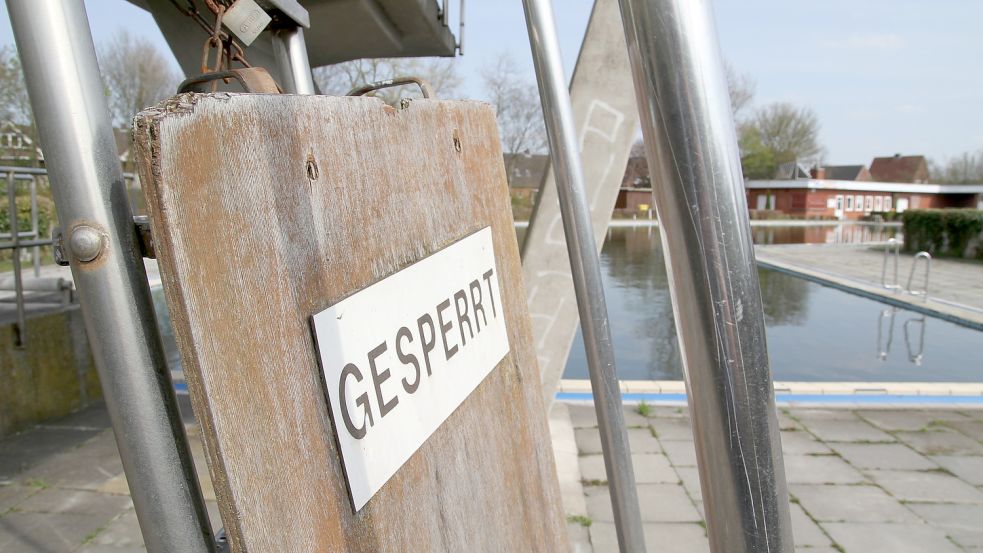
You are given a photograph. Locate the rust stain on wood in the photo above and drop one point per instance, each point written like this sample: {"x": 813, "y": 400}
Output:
{"x": 251, "y": 245}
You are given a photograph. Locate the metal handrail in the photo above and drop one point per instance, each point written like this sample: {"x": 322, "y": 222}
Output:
{"x": 911, "y": 275}
{"x": 893, "y": 250}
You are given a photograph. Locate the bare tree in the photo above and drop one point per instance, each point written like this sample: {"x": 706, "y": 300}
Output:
{"x": 136, "y": 75}
{"x": 965, "y": 168}
{"x": 775, "y": 134}
{"x": 14, "y": 103}
{"x": 741, "y": 89}
{"x": 790, "y": 132}
{"x": 340, "y": 78}
{"x": 518, "y": 109}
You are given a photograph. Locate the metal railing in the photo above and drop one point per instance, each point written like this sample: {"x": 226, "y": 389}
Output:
{"x": 892, "y": 252}
{"x": 17, "y": 240}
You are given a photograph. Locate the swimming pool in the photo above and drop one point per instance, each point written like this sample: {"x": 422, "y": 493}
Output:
{"x": 815, "y": 333}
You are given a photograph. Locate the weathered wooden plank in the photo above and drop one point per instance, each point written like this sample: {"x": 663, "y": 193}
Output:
{"x": 267, "y": 209}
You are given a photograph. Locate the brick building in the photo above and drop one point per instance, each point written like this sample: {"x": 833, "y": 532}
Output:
{"x": 894, "y": 183}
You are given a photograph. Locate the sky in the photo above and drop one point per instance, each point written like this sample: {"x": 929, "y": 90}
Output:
{"x": 883, "y": 76}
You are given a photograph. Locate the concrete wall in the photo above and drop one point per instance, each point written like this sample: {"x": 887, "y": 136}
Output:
{"x": 51, "y": 376}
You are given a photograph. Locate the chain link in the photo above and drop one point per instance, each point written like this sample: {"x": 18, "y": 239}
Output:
{"x": 227, "y": 49}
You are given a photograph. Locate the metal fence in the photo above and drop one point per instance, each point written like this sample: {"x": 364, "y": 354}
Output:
{"x": 32, "y": 239}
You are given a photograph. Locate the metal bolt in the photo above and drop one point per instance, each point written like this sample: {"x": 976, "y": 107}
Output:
{"x": 85, "y": 243}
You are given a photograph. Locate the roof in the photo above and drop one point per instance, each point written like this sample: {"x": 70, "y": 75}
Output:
{"x": 791, "y": 170}
{"x": 867, "y": 186}
{"x": 899, "y": 168}
{"x": 526, "y": 169}
{"x": 843, "y": 172}
{"x": 637, "y": 174}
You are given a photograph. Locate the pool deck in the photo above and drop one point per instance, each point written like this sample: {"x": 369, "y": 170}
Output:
{"x": 862, "y": 480}
{"x": 955, "y": 291}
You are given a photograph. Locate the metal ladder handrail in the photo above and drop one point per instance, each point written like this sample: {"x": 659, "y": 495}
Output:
{"x": 911, "y": 275}
{"x": 893, "y": 246}
{"x": 893, "y": 251}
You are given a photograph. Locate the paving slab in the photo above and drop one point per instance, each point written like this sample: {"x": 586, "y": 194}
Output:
{"x": 963, "y": 523}
{"x": 883, "y": 456}
{"x": 668, "y": 412}
{"x": 908, "y": 419}
{"x": 800, "y": 442}
{"x": 653, "y": 468}
{"x": 47, "y": 532}
{"x": 12, "y": 494}
{"x": 859, "y": 503}
{"x": 592, "y": 469}
{"x": 941, "y": 441}
{"x": 690, "y": 476}
{"x": 967, "y": 468}
{"x": 579, "y": 537}
{"x": 640, "y": 440}
{"x": 634, "y": 419}
{"x": 562, "y": 436}
{"x": 659, "y": 538}
{"x": 87, "y": 467}
{"x": 111, "y": 549}
{"x": 582, "y": 415}
{"x": 846, "y": 431}
{"x": 124, "y": 531}
{"x": 820, "y": 469}
{"x": 659, "y": 503}
{"x": 27, "y": 449}
{"x": 56, "y": 500}
{"x": 680, "y": 453}
{"x": 806, "y": 415}
{"x": 933, "y": 487}
{"x": 805, "y": 532}
{"x": 972, "y": 428}
{"x": 673, "y": 429}
{"x": 885, "y": 537}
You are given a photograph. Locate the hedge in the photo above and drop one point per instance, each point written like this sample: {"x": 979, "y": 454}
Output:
{"x": 944, "y": 232}
{"x": 46, "y": 216}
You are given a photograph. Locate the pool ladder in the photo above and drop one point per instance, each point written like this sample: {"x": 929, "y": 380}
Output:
{"x": 893, "y": 252}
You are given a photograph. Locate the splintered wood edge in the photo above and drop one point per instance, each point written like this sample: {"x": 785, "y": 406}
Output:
{"x": 146, "y": 129}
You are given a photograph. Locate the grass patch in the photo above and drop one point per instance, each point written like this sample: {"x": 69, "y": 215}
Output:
{"x": 37, "y": 483}
{"x": 594, "y": 482}
{"x": 644, "y": 409}
{"x": 582, "y": 520}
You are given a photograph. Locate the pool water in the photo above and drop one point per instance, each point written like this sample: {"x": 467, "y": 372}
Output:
{"x": 815, "y": 333}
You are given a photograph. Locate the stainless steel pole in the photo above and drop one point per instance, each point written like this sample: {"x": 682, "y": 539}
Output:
{"x": 586, "y": 271}
{"x": 15, "y": 257}
{"x": 290, "y": 51}
{"x": 699, "y": 196}
{"x": 62, "y": 76}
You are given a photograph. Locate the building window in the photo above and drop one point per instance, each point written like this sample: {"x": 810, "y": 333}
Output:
{"x": 858, "y": 202}
{"x": 878, "y": 203}
{"x": 849, "y": 203}
{"x": 868, "y": 203}
{"x": 887, "y": 203}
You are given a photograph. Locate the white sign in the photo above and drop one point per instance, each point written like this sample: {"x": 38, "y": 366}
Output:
{"x": 401, "y": 355}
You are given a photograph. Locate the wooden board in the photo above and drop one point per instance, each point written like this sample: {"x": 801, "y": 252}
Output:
{"x": 267, "y": 209}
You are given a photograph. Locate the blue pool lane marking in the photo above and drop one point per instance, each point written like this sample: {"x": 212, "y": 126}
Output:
{"x": 866, "y": 399}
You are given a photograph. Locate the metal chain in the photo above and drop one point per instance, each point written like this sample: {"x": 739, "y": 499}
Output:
{"x": 227, "y": 49}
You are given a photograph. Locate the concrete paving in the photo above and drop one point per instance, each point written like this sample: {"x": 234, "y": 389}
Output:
{"x": 898, "y": 480}
{"x": 860, "y": 480}
{"x": 955, "y": 286}
{"x": 62, "y": 488}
